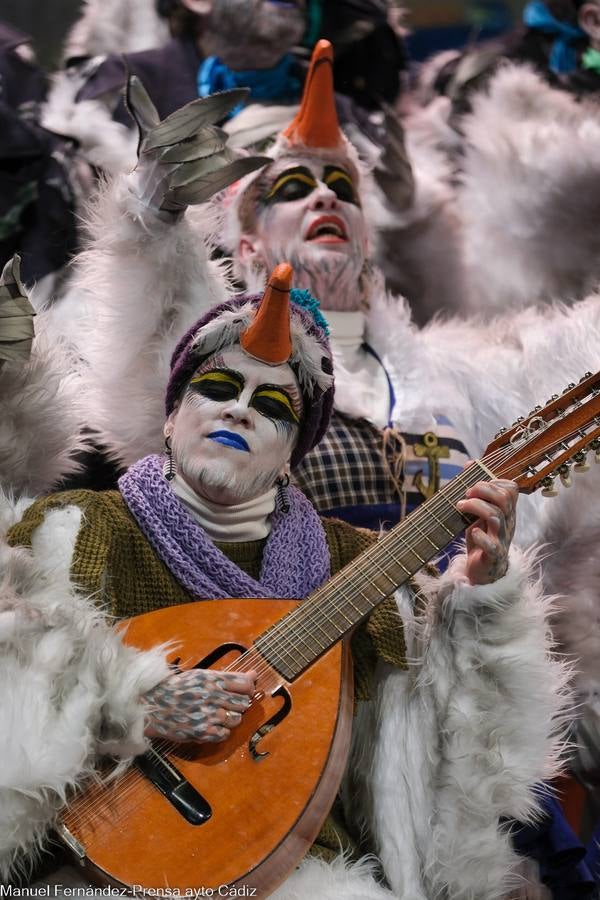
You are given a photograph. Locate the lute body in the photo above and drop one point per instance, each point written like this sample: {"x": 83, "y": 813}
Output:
{"x": 267, "y": 803}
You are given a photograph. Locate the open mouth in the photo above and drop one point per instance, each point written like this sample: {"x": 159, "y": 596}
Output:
{"x": 229, "y": 439}
{"x": 327, "y": 230}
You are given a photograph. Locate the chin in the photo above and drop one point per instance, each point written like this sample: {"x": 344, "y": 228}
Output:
{"x": 225, "y": 481}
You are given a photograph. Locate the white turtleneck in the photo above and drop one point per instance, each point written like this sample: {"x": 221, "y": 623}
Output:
{"x": 361, "y": 385}
{"x": 248, "y": 521}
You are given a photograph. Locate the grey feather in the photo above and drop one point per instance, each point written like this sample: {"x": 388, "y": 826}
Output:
{"x": 393, "y": 172}
{"x": 210, "y": 140}
{"x": 206, "y": 185}
{"x": 185, "y": 122}
{"x": 141, "y": 107}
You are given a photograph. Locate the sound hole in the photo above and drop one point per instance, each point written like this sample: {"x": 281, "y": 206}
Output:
{"x": 260, "y": 733}
{"x": 219, "y": 653}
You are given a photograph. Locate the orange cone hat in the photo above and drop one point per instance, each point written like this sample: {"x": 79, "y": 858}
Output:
{"x": 268, "y": 338}
{"x": 316, "y": 123}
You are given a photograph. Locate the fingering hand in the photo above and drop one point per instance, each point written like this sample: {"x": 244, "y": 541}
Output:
{"x": 199, "y": 705}
{"x": 488, "y": 540}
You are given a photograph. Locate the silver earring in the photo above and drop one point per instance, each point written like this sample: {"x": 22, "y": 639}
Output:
{"x": 282, "y": 498}
{"x": 169, "y": 467}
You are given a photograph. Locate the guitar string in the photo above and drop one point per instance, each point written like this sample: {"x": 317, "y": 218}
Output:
{"x": 384, "y": 549}
{"x": 500, "y": 456}
{"x": 381, "y": 554}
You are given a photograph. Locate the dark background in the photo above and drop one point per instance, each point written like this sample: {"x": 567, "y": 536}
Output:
{"x": 435, "y": 23}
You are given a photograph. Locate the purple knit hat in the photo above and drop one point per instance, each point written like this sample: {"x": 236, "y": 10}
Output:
{"x": 311, "y": 359}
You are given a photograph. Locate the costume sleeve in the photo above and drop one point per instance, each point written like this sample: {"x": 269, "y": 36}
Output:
{"x": 70, "y": 688}
{"x": 451, "y": 748}
{"x": 529, "y": 194}
{"x": 41, "y": 414}
{"x": 142, "y": 282}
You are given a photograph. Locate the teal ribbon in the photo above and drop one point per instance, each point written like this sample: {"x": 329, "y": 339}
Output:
{"x": 563, "y": 57}
{"x": 276, "y": 83}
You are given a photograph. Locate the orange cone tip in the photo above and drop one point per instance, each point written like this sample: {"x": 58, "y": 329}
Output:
{"x": 316, "y": 123}
{"x": 268, "y": 337}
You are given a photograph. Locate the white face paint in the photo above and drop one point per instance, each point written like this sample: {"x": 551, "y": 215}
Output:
{"x": 310, "y": 217}
{"x": 236, "y": 426}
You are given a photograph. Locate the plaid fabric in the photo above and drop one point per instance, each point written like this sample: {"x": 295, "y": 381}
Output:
{"x": 351, "y": 474}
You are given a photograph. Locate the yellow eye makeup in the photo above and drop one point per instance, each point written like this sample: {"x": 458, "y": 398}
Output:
{"x": 275, "y": 404}
{"x": 341, "y": 184}
{"x": 292, "y": 185}
{"x": 217, "y": 385}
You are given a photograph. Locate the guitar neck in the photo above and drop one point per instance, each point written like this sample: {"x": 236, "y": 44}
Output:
{"x": 334, "y": 609}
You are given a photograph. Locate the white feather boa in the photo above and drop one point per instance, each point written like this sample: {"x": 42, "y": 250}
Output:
{"x": 135, "y": 291}
{"x": 70, "y": 689}
{"x": 42, "y": 415}
{"x": 530, "y": 197}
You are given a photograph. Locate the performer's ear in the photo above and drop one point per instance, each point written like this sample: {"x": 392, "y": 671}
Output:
{"x": 170, "y": 423}
{"x": 248, "y": 249}
{"x": 199, "y": 7}
{"x": 588, "y": 18}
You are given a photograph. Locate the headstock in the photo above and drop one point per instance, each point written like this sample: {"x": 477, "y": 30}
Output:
{"x": 551, "y": 441}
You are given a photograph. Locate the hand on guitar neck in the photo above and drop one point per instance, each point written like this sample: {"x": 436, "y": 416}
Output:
{"x": 488, "y": 539}
{"x": 199, "y": 705}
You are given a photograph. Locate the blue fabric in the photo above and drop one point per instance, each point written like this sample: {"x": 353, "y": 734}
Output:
{"x": 563, "y": 57}
{"x": 557, "y": 850}
{"x": 278, "y": 83}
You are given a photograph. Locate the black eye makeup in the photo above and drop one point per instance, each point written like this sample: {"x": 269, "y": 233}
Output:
{"x": 275, "y": 403}
{"x": 218, "y": 384}
{"x": 341, "y": 184}
{"x": 270, "y": 400}
{"x": 293, "y": 184}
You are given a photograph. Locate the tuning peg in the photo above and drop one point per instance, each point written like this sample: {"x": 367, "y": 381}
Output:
{"x": 536, "y": 409}
{"x": 583, "y": 377}
{"x": 501, "y": 432}
{"x": 595, "y": 446}
{"x": 581, "y": 463}
{"x": 569, "y": 387}
{"x": 548, "y": 487}
{"x": 565, "y": 474}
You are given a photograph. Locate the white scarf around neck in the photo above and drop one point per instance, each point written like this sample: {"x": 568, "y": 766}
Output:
{"x": 248, "y": 521}
{"x": 361, "y": 385}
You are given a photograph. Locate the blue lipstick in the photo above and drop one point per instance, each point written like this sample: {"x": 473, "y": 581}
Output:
{"x": 229, "y": 439}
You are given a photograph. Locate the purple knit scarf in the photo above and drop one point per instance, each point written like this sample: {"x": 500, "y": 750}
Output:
{"x": 295, "y": 559}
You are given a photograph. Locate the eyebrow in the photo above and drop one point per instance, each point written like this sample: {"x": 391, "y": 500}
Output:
{"x": 269, "y": 193}
{"x": 329, "y": 170}
{"x": 223, "y": 370}
{"x": 290, "y": 390}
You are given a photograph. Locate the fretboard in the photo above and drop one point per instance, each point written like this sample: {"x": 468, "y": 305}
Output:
{"x": 333, "y": 610}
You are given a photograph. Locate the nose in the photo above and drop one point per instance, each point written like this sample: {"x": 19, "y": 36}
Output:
{"x": 323, "y": 198}
{"x": 238, "y": 413}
